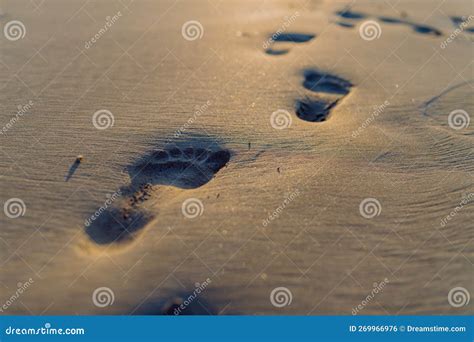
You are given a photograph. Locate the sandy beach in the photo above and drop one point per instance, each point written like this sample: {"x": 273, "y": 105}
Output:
{"x": 233, "y": 157}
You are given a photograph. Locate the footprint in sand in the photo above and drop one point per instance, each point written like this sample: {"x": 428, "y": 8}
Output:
{"x": 348, "y": 14}
{"x": 462, "y": 23}
{"x": 185, "y": 166}
{"x": 314, "y": 110}
{"x": 118, "y": 224}
{"x": 425, "y": 29}
{"x": 457, "y": 20}
{"x": 344, "y": 24}
{"x": 320, "y": 82}
{"x": 274, "y": 43}
{"x": 329, "y": 90}
{"x": 419, "y": 28}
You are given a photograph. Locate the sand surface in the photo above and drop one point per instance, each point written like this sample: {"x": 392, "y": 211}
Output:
{"x": 276, "y": 207}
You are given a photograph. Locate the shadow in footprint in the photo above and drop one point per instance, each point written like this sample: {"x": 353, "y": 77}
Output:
{"x": 330, "y": 90}
{"x": 288, "y": 37}
{"x": 428, "y": 30}
{"x": 344, "y": 24}
{"x": 181, "y": 304}
{"x": 116, "y": 225}
{"x": 292, "y": 37}
{"x": 185, "y": 166}
{"x": 457, "y": 20}
{"x": 314, "y": 110}
{"x": 318, "y": 81}
{"x": 390, "y": 20}
{"x": 348, "y": 14}
{"x": 276, "y": 52}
